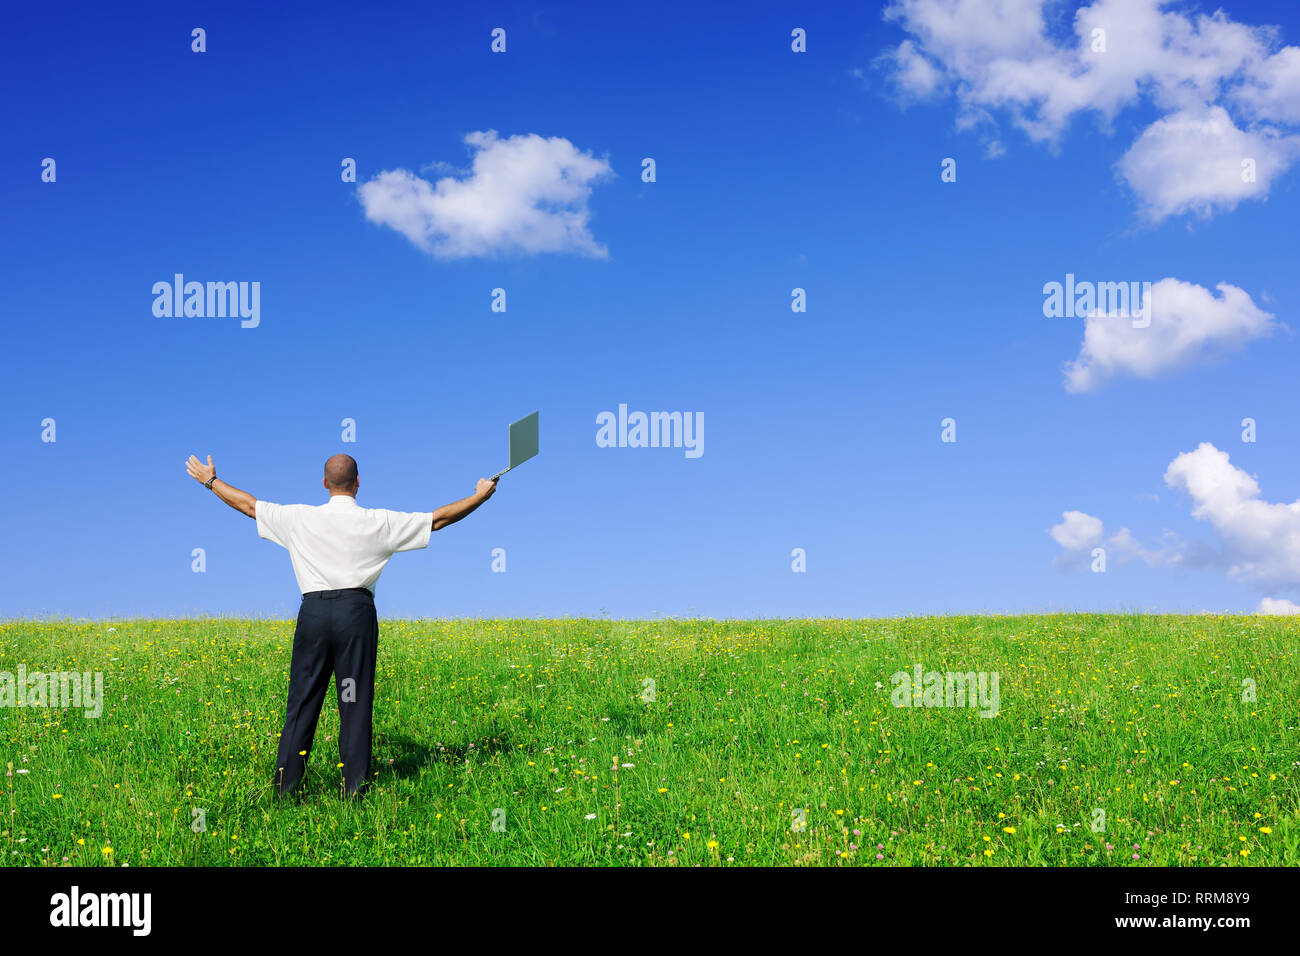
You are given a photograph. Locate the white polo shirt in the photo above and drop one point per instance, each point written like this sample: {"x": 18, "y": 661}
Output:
{"x": 341, "y": 544}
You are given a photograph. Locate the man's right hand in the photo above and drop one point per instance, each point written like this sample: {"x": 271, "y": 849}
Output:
{"x": 485, "y": 489}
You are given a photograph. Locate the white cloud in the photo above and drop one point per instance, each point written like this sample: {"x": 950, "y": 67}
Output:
{"x": 999, "y": 55}
{"x": 1277, "y": 606}
{"x": 913, "y": 74}
{"x": 966, "y": 36}
{"x": 1077, "y": 534}
{"x": 1078, "y": 531}
{"x": 1188, "y": 323}
{"x": 1261, "y": 539}
{"x": 1126, "y": 548}
{"x": 1274, "y": 87}
{"x": 1191, "y": 162}
{"x": 523, "y": 194}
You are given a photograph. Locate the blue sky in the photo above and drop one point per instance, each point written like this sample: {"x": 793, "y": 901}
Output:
{"x": 775, "y": 170}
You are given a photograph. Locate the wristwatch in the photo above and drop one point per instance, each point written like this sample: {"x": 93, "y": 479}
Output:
{"x": 208, "y": 484}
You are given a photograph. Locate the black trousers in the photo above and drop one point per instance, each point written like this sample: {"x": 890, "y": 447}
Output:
{"x": 337, "y": 632}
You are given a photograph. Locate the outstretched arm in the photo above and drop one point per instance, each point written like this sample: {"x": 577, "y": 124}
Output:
{"x": 239, "y": 500}
{"x": 450, "y": 514}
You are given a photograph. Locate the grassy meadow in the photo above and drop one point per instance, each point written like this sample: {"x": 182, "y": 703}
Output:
{"x": 672, "y": 743}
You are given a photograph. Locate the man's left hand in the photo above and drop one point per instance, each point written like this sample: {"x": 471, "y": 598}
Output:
{"x": 200, "y": 472}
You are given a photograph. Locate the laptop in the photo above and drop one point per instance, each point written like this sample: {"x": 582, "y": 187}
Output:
{"x": 523, "y": 443}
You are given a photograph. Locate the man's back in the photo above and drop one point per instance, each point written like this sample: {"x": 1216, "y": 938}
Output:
{"x": 340, "y": 544}
{"x": 338, "y": 552}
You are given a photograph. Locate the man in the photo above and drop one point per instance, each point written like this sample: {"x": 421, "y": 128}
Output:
{"x": 338, "y": 551}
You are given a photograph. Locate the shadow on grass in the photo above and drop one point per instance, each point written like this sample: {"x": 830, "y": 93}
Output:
{"x": 410, "y": 756}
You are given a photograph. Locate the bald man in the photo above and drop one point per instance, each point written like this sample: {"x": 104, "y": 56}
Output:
{"x": 338, "y": 551}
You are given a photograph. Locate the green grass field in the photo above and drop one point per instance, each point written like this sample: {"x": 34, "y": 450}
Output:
{"x": 1139, "y": 717}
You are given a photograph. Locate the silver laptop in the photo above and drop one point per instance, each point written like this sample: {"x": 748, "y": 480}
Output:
{"x": 523, "y": 443}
